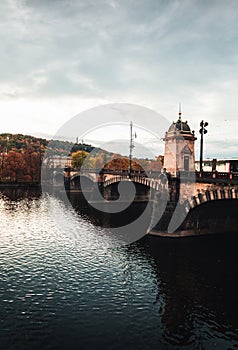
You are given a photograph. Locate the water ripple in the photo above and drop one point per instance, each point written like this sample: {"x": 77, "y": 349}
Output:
{"x": 62, "y": 285}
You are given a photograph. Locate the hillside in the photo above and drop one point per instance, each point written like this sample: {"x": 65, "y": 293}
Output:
{"x": 21, "y": 143}
{"x": 22, "y": 155}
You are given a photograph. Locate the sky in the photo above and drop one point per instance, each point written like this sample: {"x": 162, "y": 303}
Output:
{"x": 62, "y": 57}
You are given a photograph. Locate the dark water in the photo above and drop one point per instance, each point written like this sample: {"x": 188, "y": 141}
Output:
{"x": 63, "y": 287}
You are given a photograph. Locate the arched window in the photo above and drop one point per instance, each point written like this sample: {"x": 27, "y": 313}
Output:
{"x": 186, "y": 163}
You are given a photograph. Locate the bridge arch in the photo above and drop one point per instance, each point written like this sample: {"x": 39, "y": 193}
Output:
{"x": 89, "y": 176}
{"x": 145, "y": 187}
{"x": 212, "y": 216}
{"x": 76, "y": 182}
{"x": 58, "y": 178}
{"x": 148, "y": 182}
{"x": 212, "y": 209}
{"x": 213, "y": 195}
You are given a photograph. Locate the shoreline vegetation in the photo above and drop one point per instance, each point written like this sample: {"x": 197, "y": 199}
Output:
{"x": 21, "y": 158}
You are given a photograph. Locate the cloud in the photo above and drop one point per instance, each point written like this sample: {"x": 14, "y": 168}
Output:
{"x": 154, "y": 53}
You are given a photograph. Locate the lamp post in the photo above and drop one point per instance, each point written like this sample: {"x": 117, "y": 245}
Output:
{"x": 131, "y": 149}
{"x": 202, "y": 131}
{"x": 132, "y": 145}
{"x": 81, "y": 153}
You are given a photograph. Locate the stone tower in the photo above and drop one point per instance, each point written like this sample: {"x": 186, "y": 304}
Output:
{"x": 179, "y": 147}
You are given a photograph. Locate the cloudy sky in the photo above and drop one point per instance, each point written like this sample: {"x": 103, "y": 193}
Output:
{"x": 61, "y": 57}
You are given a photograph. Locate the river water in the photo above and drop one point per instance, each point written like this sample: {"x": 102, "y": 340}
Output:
{"x": 63, "y": 287}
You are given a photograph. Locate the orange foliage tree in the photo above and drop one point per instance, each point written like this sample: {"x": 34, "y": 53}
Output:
{"x": 21, "y": 166}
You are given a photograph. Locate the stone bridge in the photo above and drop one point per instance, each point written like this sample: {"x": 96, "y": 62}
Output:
{"x": 192, "y": 202}
{"x": 205, "y": 205}
{"x": 191, "y": 195}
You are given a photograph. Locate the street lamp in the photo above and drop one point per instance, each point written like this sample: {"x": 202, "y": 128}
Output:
{"x": 81, "y": 153}
{"x": 202, "y": 131}
{"x": 132, "y": 145}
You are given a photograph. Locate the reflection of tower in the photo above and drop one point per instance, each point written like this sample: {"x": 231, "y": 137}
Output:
{"x": 179, "y": 147}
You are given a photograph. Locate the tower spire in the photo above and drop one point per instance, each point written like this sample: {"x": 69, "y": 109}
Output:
{"x": 180, "y": 113}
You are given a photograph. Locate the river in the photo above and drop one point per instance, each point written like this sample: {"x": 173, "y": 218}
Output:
{"x": 63, "y": 287}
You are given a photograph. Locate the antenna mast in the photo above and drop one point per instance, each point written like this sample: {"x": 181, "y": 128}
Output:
{"x": 131, "y": 148}
{"x": 82, "y": 152}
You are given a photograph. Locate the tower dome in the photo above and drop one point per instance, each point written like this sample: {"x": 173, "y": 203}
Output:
{"x": 179, "y": 125}
{"x": 179, "y": 147}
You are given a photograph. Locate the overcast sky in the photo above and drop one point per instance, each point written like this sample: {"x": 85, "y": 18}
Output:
{"x": 61, "y": 57}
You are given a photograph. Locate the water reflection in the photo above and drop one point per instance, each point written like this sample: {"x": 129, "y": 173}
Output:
{"x": 19, "y": 193}
{"x": 62, "y": 293}
{"x": 195, "y": 279}
{"x": 106, "y": 219}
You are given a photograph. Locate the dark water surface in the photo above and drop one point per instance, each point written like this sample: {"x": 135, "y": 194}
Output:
{"x": 63, "y": 287}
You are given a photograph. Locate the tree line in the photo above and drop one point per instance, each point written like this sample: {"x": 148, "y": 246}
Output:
{"x": 21, "y": 157}
{"x": 105, "y": 160}
{"x": 21, "y": 166}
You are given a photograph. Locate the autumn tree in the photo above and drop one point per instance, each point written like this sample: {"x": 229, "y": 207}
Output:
{"x": 77, "y": 158}
{"x": 157, "y": 165}
{"x": 13, "y": 166}
{"x": 117, "y": 163}
{"x": 33, "y": 161}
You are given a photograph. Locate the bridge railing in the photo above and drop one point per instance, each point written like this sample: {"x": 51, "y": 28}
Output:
{"x": 199, "y": 175}
{"x": 215, "y": 175}
{"x": 143, "y": 173}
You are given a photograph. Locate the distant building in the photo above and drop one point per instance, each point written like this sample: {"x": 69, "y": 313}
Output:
{"x": 220, "y": 165}
{"x": 58, "y": 161}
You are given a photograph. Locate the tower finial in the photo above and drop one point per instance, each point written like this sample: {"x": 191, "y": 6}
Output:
{"x": 180, "y": 113}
